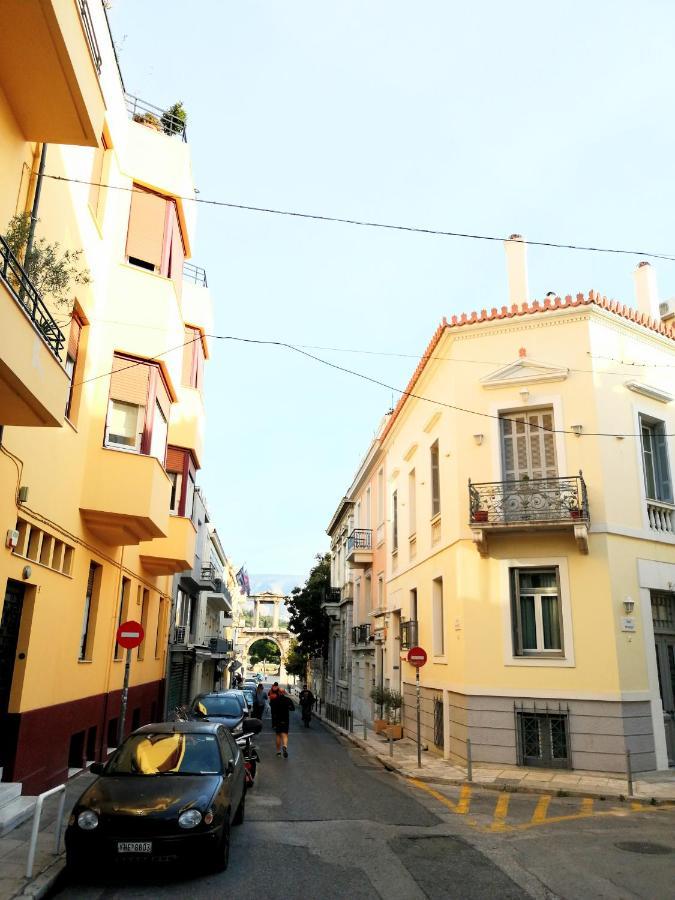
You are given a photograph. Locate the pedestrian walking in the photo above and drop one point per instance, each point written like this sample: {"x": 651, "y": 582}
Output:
{"x": 259, "y": 702}
{"x": 306, "y": 705}
{"x": 281, "y": 707}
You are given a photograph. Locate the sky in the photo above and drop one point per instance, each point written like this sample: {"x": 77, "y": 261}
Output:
{"x": 549, "y": 120}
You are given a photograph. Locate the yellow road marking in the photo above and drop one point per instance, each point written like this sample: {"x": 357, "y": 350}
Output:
{"x": 501, "y": 811}
{"x": 586, "y": 807}
{"x": 464, "y": 800}
{"x": 539, "y": 815}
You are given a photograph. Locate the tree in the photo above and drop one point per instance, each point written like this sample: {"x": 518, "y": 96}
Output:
{"x": 264, "y": 651}
{"x": 306, "y": 618}
{"x": 174, "y": 119}
{"x": 296, "y": 661}
{"x": 53, "y": 271}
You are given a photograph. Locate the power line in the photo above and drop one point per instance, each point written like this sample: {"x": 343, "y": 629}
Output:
{"x": 364, "y": 223}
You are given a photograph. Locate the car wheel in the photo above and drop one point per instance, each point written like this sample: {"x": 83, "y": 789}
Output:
{"x": 241, "y": 811}
{"x": 221, "y": 855}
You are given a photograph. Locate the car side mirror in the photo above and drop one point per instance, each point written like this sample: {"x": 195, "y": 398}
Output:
{"x": 97, "y": 768}
{"x": 251, "y": 726}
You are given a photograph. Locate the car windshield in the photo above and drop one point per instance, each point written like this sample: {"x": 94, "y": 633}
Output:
{"x": 250, "y": 696}
{"x": 221, "y": 706}
{"x": 167, "y": 754}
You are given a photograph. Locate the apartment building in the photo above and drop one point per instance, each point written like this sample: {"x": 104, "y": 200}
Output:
{"x": 101, "y": 402}
{"x": 531, "y": 530}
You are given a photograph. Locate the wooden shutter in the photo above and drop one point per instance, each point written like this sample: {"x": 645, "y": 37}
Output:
{"x": 528, "y": 445}
{"x": 542, "y": 444}
{"x": 74, "y": 336}
{"x": 147, "y": 225}
{"x": 130, "y": 380}
{"x": 175, "y": 459}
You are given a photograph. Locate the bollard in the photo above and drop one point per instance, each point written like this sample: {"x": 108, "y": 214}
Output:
{"x": 391, "y": 745}
{"x": 629, "y": 774}
{"x": 469, "y": 767}
{"x": 351, "y": 722}
{"x": 365, "y": 732}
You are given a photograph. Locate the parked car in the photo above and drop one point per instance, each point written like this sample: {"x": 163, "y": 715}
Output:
{"x": 241, "y": 697}
{"x": 220, "y": 706}
{"x": 171, "y": 790}
{"x": 249, "y": 684}
{"x": 249, "y": 694}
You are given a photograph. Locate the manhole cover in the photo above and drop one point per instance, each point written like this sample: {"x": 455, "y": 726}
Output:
{"x": 644, "y": 847}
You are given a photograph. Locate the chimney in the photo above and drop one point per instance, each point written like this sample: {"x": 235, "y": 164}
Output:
{"x": 646, "y": 291}
{"x": 516, "y": 268}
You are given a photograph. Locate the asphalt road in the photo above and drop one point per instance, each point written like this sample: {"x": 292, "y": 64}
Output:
{"x": 329, "y": 823}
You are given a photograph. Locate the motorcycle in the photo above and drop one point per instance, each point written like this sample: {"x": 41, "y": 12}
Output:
{"x": 251, "y": 758}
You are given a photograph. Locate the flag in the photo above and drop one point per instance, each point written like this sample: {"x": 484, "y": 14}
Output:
{"x": 243, "y": 582}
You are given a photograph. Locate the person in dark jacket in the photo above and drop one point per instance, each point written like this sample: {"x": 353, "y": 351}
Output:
{"x": 281, "y": 707}
{"x": 259, "y": 702}
{"x": 306, "y": 705}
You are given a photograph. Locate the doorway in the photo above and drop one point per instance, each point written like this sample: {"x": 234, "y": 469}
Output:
{"x": 9, "y": 638}
{"x": 663, "y": 618}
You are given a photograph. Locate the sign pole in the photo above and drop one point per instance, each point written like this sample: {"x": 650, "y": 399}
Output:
{"x": 125, "y": 697}
{"x": 419, "y": 728}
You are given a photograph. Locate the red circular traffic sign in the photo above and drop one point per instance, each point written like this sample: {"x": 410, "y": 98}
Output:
{"x": 130, "y": 634}
{"x": 417, "y": 657}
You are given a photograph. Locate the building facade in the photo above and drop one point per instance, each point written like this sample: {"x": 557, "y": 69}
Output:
{"x": 101, "y": 402}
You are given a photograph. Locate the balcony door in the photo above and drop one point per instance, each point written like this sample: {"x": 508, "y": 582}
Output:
{"x": 528, "y": 459}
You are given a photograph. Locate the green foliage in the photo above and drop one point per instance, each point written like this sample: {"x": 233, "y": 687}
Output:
{"x": 296, "y": 661}
{"x": 394, "y": 703}
{"x": 264, "y": 651}
{"x": 390, "y": 701}
{"x": 173, "y": 118}
{"x": 53, "y": 271}
{"x": 306, "y": 618}
{"x": 379, "y": 695}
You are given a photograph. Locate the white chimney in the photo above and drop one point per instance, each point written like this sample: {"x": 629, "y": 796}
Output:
{"x": 646, "y": 291}
{"x": 516, "y": 268}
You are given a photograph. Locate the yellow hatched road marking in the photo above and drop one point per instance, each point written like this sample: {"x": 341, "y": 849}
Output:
{"x": 464, "y": 800}
{"x": 501, "y": 811}
{"x": 539, "y": 815}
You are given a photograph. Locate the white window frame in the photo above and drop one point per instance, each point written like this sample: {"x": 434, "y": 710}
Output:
{"x": 545, "y": 660}
{"x": 412, "y": 503}
{"x": 435, "y": 444}
{"x": 651, "y": 422}
{"x": 539, "y": 650}
{"x": 154, "y": 450}
{"x": 177, "y": 487}
{"x": 140, "y": 411}
{"x": 437, "y": 618}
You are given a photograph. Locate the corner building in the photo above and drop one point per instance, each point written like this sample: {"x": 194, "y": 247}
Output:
{"x": 101, "y": 402}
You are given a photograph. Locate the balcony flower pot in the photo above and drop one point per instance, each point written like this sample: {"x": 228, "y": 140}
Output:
{"x": 480, "y": 515}
{"x": 576, "y": 513}
{"x": 380, "y": 726}
{"x": 395, "y": 732}
{"x": 149, "y": 120}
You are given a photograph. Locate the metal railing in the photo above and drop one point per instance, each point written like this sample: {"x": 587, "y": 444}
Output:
{"x": 179, "y": 634}
{"x": 409, "y": 634}
{"x": 27, "y": 296}
{"x": 210, "y": 575}
{"x": 340, "y": 716}
{"x": 361, "y": 634}
{"x": 539, "y": 500}
{"x": 155, "y": 117}
{"x": 195, "y": 274}
{"x": 360, "y": 539}
{"x": 333, "y": 595}
{"x": 61, "y": 788}
{"x": 88, "y": 25}
{"x": 219, "y": 645}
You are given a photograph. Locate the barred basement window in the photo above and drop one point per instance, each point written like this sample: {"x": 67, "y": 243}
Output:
{"x": 543, "y": 738}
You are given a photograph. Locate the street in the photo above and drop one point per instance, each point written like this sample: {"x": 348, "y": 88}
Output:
{"x": 329, "y": 822}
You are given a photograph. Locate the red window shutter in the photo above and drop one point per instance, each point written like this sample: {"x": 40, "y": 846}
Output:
{"x": 175, "y": 459}
{"x": 147, "y": 226}
{"x": 74, "y": 336}
{"x": 130, "y": 380}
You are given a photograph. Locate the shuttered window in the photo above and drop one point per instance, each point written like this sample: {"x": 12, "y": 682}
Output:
{"x": 181, "y": 470}
{"x": 89, "y": 615}
{"x": 658, "y": 482}
{"x": 154, "y": 239}
{"x": 138, "y": 408}
{"x": 71, "y": 365}
{"x": 435, "y": 481}
{"x": 528, "y": 445}
{"x": 193, "y": 358}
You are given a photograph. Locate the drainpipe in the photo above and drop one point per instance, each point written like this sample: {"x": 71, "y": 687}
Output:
{"x": 36, "y": 205}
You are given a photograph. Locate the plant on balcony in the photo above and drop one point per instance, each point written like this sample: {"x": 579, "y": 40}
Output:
{"x": 174, "y": 119}
{"x": 149, "y": 120}
{"x": 53, "y": 271}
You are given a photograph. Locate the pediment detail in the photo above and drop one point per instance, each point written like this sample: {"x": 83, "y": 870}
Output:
{"x": 524, "y": 371}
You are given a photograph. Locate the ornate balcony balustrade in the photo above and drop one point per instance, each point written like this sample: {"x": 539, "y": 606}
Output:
{"x": 409, "y": 632}
{"x": 179, "y": 634}
{"x": 360, "y": 634}
{"x": 360, "y": 539}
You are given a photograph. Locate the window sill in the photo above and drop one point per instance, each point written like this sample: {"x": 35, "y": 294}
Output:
{"x": 85, "y": 662}
{"x": 562, "y": 662}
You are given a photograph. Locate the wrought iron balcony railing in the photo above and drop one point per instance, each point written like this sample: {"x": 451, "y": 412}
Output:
{"x": 179, "y": 634}
{"x": 219, "y": 645}
{"x": 154, "y": 117}
{"x": 535, "y": 501}
{"x": 333, "y": 595}
{"x": 27, "y": 296}
{"x": 360, "y": 539}
{"x": 409, "y": 634}
{"x": 88, "y": 25}
{"x": 195, "y": 274}
{"x": 361, "y": 634}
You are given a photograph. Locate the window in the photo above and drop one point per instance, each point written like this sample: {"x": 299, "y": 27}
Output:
{"x": 412, "y": 503}
{"x": 90, "y": 612}
{"x": 181, "y": 470}
{"x": 435, "y": 481}
{"x": 380, "y": 496}
{"x": 145, "y": 607}
{"x": 658, "y": 483}
{"x": 71, "y": 365}
{"x": 138, "y": 408}
{"x": 394, "y": 522}
{"x": 380, "y": 591}
{"x": 125, "y": 593}
{"x": 366, "y": 519}
{"x": 528, "y": 445}
{"x": 193, "y": 358}
{"x": 190, "y": 495}
{"x": 413, "y": 604}
{"x": 176, "y": 480}
{"x": 99, "y": 173}
{"x": 368, "y": 593}
{"x": 536, "y": 612}
{"x": 160, "y": 625}
{"x": 438, "y": 637}
{"x": 154, "y": 240}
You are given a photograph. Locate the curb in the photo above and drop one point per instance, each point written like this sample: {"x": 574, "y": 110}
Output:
{"x": 42, "y": 884}
{"x": 505, "y": 786}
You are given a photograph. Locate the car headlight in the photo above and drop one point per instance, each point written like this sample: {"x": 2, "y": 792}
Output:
{"x": 87, "y": 820}
{"x": 190, "y": 818}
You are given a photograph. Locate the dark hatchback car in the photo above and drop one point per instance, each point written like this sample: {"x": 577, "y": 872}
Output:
{"x": 222, "y": 707}
{"x": 170, "y": 791}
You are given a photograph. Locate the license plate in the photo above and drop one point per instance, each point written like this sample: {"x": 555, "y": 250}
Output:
{"x": 134, "y": 846}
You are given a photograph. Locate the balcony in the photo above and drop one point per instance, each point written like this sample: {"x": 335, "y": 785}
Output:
{"x": 360, "y": 548}
{"x": 537, "y": 505}
{"x": 196, "y": 302}
{"x": 219, "y": 598}
{"x": 220, "y": 646}
{"x": 33, "y": 384}
{"x": 194, "y": 274}
{"x": 173, "y": 553}
{"x": 49, "y": 65}
{"x": 331, "y": 602}
{"x": 154, "y": 117}
{"x": 661, "y": 517}
{"x": 125, "y": 497}
{"x": 180, "y": 634}
{"x": 361, "y": 636}
{"x": 409, "y": 634}
{"x": 186, "y": 423}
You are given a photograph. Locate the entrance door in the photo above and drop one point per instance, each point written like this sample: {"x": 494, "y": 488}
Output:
{"x": 663, "y": 617}
{"x": 9, "y": 636}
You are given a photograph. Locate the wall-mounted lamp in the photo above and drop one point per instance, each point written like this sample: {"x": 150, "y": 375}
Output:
{"x": 577, "y": 429}
{"x": 478, "y": 438}
{"x": 27, "y": 572}
{"x": 628, "y": 605}
{"x": 524, "y": 394}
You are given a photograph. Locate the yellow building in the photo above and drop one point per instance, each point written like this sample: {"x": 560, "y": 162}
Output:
{"x": 531, "y": 531}
{"x": 101, "y": 402}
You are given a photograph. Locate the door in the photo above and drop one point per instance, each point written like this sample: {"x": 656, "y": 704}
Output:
{"x": 9, "y": 637}
{"x": 528, "y": 458}
{"x": 663, "y": 618}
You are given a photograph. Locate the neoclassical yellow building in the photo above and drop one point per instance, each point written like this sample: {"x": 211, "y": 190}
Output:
{"x": 101, "y": 402}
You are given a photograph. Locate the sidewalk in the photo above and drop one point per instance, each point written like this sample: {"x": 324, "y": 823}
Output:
{"x": 48, "y": 866}
{"x": 654, "y": 787}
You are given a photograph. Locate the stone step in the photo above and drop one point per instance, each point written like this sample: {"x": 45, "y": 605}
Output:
{"x": 14, "y": 813}
{"x": 9, "y": 791}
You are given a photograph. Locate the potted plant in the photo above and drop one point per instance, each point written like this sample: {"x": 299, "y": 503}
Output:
{"x": 379, "y": 696}
{"x": 174, "y": 119}
{"x": 575, "y": 512}
{"x": 149, "y": 120}
{"x": 480, "y": 515}
{"x": 395, "y": 729}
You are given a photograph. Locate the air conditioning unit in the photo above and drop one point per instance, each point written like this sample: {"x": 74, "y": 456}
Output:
{"x": 667, "y": 309}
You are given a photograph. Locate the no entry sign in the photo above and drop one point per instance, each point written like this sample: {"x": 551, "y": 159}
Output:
{"x": 130, "y": 634}
{"x": 417, "y": 657}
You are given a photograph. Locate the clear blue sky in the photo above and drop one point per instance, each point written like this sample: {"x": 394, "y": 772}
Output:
{"x": 554, "y": 121}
